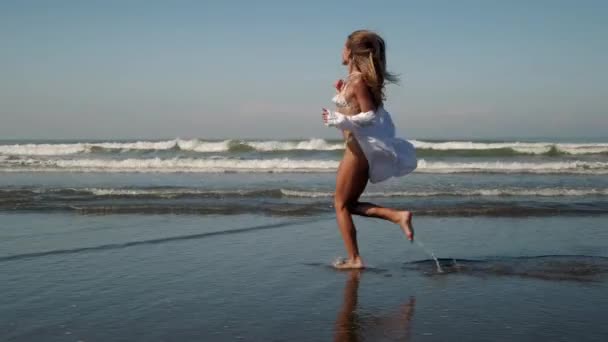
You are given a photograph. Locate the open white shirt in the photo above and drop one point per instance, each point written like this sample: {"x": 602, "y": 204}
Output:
{"x": 387, "y": 155}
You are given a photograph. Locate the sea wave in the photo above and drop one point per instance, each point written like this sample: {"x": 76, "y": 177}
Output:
{"x": 176, "y": 192}
{"x": 541, "y": 192}
{"x": 281, "y": 165}
{"x": 425, "y": 148}
{"x": 170, "y": 165}
{"x": 192, "y": 145}
{"x": 307, "y": 209}
{"x": 538, "y": 148}
{"x": 562, "y": 167}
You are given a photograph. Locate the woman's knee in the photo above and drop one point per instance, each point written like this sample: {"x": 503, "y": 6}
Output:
{"x": 341, "y": 204}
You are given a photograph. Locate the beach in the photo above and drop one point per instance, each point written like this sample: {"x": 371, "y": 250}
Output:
{"x": 196, "y": 240}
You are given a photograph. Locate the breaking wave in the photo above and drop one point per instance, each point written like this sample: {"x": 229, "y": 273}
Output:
{"x": 218, "y": 165}
{"x": 192, "y": 145}
{"x": 176, "y": 192}
{"x": 424, "y": 148}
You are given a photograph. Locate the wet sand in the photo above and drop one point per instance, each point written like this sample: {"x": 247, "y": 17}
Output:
{"x": 69, "y": 277}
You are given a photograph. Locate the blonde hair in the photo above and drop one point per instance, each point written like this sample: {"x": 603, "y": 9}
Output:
{"x": 368, "y": 55}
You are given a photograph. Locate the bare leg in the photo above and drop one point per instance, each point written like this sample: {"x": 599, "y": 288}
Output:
{"x": 401, "y": 217}
{"x": 350, "y": 183}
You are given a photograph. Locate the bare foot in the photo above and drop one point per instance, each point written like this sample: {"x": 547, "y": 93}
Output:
{"x": 405, "y": 221}
{"x": 346, "y": 264}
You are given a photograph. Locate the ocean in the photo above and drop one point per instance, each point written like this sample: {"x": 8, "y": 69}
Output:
{"x": 297, "y": 177}
{"x": 221, "y": 240}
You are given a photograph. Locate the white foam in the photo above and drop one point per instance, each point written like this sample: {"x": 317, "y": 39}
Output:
{"x": 196, "y": 145}
{"x": 313, "y": 144}
{"x": 579, "y": 167}
{"x": 138, "y": 145}
{"x": 540, "y": 192}
{"x": 193, "y": 145}
{"x": 164, "y": 192}
{"x": 130, "y": 192}
{"x": 42, "y": 149}
{"x": 285, "y": 165}
{"x": 308, "y": 145}
{"x": 583, "y": 148}
{"x": 306, "y": 194}
{"x": 170, "y": 165}
{"x": 185, "y": 145}
{"x": 490, "y": 192}
{"x": 521, "y": 147}
{"x": 535, "y": 148}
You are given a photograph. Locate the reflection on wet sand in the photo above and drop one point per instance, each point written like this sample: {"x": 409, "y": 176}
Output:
{"x": 353, "y": 325}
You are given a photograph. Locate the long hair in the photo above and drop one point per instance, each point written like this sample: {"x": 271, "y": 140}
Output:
{"x": 368, "y": 55}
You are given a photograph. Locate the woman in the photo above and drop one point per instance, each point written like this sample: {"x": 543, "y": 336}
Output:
{"x": 372, "y": 151}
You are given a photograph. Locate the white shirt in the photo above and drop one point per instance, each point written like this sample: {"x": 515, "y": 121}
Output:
{"x": 387, "y": 155}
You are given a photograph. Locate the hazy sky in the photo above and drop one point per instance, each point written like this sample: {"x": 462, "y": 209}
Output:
{"x": 214, "y": 69}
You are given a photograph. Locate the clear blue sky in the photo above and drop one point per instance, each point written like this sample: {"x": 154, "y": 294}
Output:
{"x": 213, "y": 69}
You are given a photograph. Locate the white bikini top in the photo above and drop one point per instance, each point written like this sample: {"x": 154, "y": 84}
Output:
{"x": 339, "y": 98}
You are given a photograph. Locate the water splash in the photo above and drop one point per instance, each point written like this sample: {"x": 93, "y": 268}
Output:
{"x": 430, "y": 252}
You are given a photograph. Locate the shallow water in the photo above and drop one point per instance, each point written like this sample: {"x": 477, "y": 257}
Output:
{"x": 69, "y": 277}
